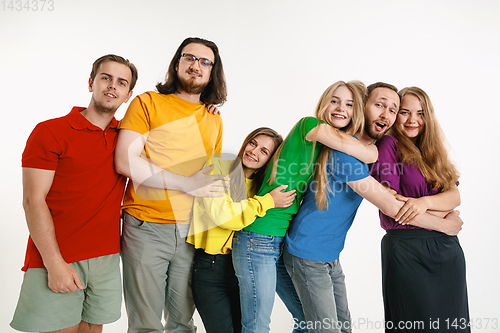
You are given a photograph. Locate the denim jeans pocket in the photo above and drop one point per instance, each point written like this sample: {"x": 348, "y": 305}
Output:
{"x": 258, "y": 241}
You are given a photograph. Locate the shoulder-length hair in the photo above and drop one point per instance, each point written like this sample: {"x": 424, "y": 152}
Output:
{"x": 428, "y": 152}
{"x": 258, "y": 176}
{"x": 215, "y": 92}
{"x": 356, "y": 125}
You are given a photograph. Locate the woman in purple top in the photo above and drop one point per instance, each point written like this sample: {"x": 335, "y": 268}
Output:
{"x": 423, "y": 271}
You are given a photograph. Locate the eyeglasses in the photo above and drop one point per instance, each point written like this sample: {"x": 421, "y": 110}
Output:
{"x": 202, "y": 61}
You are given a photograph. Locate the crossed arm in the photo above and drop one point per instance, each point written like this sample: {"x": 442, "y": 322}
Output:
{"x": 439, "y": 204}
{"x": 128, "y": 162}
{"x": 338, "y": 140}
{"x": 380, "y": 196}
{"x": 36, "y": 184}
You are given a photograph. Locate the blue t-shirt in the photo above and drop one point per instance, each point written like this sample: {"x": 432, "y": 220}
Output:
{"x": 320, "y": 235}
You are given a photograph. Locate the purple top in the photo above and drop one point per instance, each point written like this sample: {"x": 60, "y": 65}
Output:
{"x": 405, "y": 179}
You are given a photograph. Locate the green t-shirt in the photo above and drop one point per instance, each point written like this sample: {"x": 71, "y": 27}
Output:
{"x": 295, "y": 170}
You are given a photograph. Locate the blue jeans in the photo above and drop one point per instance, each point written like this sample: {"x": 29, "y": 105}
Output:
{"x": 255, "y": 257}
{"x": 322, "y": 291}
{"x": 286, "y": 291}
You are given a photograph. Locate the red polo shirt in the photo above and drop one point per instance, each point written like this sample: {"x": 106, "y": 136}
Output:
{"x": 86, "y": 192}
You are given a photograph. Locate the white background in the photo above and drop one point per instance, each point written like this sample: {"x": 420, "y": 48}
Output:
{"x": 278, "y": 56}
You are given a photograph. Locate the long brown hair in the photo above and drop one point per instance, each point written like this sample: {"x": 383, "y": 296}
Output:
{"x": 215, "y": 92}
{"x": 258, "y": 176}
{"x": 356, "y": 125}
{"x": 428, "y": 153}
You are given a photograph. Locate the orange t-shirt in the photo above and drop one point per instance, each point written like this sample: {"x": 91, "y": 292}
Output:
{"x": 86, "y": 193}
{"x": 180, "y": 136}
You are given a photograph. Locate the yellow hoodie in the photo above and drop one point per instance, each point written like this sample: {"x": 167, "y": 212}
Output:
{"x": 215, "y": 220}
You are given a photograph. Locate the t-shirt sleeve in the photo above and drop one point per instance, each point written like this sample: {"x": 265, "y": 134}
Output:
{"x": 42, "y": 150}
{"x": 137, "y": 117}
{"x": 308, "y": 123}
{"x": 387, "y": 168}
{"x": 345, "y": 168}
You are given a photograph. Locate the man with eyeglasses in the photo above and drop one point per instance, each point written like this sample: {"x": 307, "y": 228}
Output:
{"x": 165, "y": 139}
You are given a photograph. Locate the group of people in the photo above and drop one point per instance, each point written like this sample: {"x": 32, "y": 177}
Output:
{"x": 225, "y": 233}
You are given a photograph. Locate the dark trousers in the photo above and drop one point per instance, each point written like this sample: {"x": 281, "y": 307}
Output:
{"x": 216, "y": 293}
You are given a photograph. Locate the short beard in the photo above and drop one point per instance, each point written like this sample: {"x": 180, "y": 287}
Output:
{"x": 102, "y": 109}
{"x": 372, "y": 134}
{"x": 189, "y": 87}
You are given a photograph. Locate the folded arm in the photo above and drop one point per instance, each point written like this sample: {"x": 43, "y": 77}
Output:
{"x": 381, "y": 197}
{"x": 441, "y": 202}
{"x": 62, "y": 278}
{"x": 129, "y": 162}
{"x": 338, "y": 140}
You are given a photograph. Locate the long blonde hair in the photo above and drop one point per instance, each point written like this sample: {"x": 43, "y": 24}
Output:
{"x": 356, "y": 125}
{"x": 428, "y": 153}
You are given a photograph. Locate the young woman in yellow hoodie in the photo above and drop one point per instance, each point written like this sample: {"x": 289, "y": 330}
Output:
{"x": 215, "y": 220}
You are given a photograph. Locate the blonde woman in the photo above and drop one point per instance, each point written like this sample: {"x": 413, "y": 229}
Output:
{"x": 317, "y": 233}
{"x": 423, "y": 271}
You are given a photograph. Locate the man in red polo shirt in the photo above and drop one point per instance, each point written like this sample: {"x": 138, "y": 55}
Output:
{"x": 72, "y": 197}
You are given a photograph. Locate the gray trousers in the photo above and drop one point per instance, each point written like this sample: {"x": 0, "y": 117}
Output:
{"x": 157, "y": 268}
{"x": 322, "y": 292}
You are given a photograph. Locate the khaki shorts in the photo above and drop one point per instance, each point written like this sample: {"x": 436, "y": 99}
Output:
{"x": 40, "y": 309}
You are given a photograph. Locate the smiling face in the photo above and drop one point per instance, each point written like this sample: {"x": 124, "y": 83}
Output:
{"x": 411, "y": 121}
{"x": 340, "y": 111}
{"x": 110, "y": 87}
{"x": 257, "y": 152}
{"x": 381, "y": 109}
{"x": 193, "y": 78}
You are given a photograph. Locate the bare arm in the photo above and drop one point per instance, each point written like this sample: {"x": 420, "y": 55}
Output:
{"x": 380, "y": 196}
{"x": 441, "y": 202}
{"x": 343, "y": 142}
{"x": 36, "y": 184}
{"x": 129, "y": 163}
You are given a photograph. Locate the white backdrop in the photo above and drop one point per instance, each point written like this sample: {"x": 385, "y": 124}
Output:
{"x": 278, "y": 56}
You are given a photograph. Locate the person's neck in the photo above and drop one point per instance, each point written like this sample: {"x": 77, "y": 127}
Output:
{"x": 363, "y": 137}
{"x": 99, "y": 119}
{"x": 248, "y": 172}
{"x": 193, "y": 98}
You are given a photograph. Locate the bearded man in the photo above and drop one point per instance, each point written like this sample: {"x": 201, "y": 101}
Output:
{"x": 165, "y": 139}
